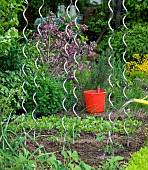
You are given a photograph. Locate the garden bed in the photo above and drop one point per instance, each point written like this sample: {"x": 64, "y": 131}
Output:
{"x": 89, "y": 149}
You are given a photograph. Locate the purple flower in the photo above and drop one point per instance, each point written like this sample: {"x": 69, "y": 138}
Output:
{"x": 54, "y": 39}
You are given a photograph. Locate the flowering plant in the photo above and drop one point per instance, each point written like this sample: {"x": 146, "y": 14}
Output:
{"x": 61, "y": 41}
{"x": 138, "y": 66}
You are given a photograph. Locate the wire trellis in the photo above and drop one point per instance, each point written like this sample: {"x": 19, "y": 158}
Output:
{"x": 65, "y": 69}
{"x": 113, "y": 122}
{"x": 65, "y": 65}
{"x": 110, "y": 76}
{"x": 126, "y": 81}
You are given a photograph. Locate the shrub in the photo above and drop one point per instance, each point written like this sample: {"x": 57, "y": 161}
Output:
{"x": 9, "y": 34}
{"x": 136, "y": 39}
{"x": 11, "y": 94}
{"x": 49, "y": 96}
{"x": 98, "y": 24}
{"x": 137, "y": 13}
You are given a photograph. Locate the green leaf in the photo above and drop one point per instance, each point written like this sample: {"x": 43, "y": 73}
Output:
{"x": 77, "y": 168}
{"x": 63, "y": 168}
{"x": 22, "y": 158}
{"x": 41, "y": 158}
{"x": 75, "y": 156}
{"x": 64, "y": 154}
{"x": 56, "y": 164}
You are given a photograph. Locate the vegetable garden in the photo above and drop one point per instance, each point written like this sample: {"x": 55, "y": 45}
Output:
{"x": 44, "y": 71}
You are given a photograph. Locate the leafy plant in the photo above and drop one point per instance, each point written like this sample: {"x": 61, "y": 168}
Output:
{"x": 98, "y": 24}
{"x": 136, "y": 11}
{"x": 100, "y": 137}
{"x": 24, "y": 159}
{"x": 9, "y": 36}
{"x": 112, "y": 163}
{"x": 88, "y": 124}
{"x": 136, "y": 37}
{"x": 139, "y": 160}
{"x": 50, "y": 93}
{"x": 11, "y": 92}
{"x": 136, "y": 14}
{"x": 72, "y": 157}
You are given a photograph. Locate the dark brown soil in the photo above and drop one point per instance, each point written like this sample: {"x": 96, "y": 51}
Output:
{"x": 90, "y": 150}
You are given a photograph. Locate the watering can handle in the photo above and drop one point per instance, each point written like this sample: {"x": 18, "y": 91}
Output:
{"x": 141, "y": 101}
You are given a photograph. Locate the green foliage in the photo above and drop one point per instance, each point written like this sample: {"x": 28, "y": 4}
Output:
{"x": 19, "y": 157}
{"x": 11, "y": 92}
{"x": 100, "y": 137}
{"x": 112, "y": 148}
{"x": 8, "y": 12}
{"x": 88, "y": 124}
{"x": 137, "y": 11}
{"x": 40, "y": 160}
{"x": 50, "y": 93}
{"x": 98, "y": 24}
{"x": 72, "y": 158}
{"x": 9, "y": 34}
{"x": 112, "y": 163}
{"x": 139, "y": 160}
{"x": 13, "y": 154}
{"x": 136, "y": 39}
{"x": 19, "y": 161}
{"x": 11, "y": 51}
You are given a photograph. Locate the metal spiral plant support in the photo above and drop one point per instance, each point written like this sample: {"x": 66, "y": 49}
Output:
{"x": 23, "y": 67}
{"x": 40, "y": 14}
{"x": 37, "y": 47}
{"x": 75, "y": 60}
{"x": 109, "y": 79}
{"x": 124, "y": 71}
{"x": 76, "y": 80}
{"x": 49, "y": 42}
{"x": 65, "y": 69}
{"x": 23, "y": 70}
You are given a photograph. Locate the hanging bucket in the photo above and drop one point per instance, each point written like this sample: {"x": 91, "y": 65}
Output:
{"x": 95, "y": 101}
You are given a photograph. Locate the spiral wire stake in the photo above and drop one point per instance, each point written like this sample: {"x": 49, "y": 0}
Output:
{"x": 65, "y": 69}
{"x": 77, "y": 64}
{"x": 49, "y": 37}
{"x": 63, "y": 104}
{"x": 40, "y": 14}
{"x": 24, "y": 65}
{"x": 109, "y": 79}
{"x": 124, "y": 71}
{"x": 36, "y": 61}
{"x": 42, "y": 19}
{"x": 37, "y": 89}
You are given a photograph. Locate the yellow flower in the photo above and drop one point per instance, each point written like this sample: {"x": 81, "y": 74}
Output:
{"x": 141, "y": 64}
